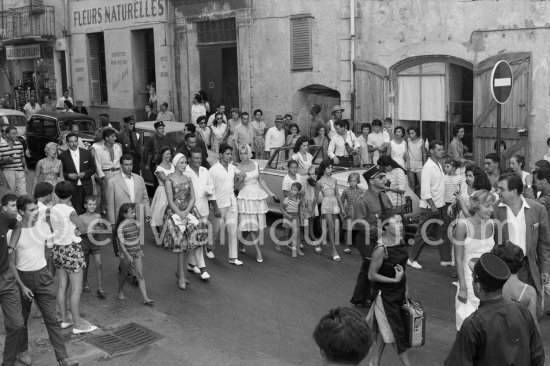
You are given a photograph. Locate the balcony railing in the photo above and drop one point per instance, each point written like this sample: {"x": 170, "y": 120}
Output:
{"x": 27, "y": 21}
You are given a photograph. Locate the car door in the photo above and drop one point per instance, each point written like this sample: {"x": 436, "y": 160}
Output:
{"x": 34, "y": 130}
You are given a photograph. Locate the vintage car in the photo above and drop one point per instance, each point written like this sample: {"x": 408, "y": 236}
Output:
{"x": 174, "y": 132}
{"x": 15, "y": 118}
{"x": 273, "y": 171}
{"x": 47, "y": 127}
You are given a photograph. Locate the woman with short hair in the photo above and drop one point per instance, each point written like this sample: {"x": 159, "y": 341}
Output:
{"x": 50, "y": 168}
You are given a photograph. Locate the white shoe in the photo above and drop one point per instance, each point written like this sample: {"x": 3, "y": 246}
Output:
{"x": 414, "y": 264}
{"x": 89, "y": 329}
{"x": 455, "y": 283}
{"x": 209, "y": 254}
{"x": 447, "y": 264}
{"x": 236, "y": 262}
{"x": 205, "y": 276}
{"x": 194, "y": 269}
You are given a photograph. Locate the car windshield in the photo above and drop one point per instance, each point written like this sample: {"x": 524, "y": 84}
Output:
{"x": 174, "y": 138}
{"x": 282, "y": 155}
{"x": 86, "y": 126}
{"x": 13, "y": 120}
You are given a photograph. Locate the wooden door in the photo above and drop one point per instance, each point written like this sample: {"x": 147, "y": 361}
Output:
{"x": 514, "y": 112}
{"x": 211, "y": 75}
{"x": 371, "y": 93}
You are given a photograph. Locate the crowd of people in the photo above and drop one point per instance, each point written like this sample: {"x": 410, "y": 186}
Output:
{"x": 81, "y": 197}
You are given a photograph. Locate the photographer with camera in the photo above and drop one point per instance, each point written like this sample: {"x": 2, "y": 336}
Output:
{"x": 343, "y": 145}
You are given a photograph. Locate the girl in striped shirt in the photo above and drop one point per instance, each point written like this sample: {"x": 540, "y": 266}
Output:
{"x": 128, "y": 234}
{"x": 291, "y": 212}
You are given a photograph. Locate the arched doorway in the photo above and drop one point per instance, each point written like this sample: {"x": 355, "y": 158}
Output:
{"x": 304, "y": 98}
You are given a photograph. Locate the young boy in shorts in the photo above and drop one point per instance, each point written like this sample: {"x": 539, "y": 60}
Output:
{"x": 89, "y": 248}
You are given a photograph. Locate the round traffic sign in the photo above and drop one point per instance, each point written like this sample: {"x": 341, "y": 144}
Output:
{"x": 501, "y": 82}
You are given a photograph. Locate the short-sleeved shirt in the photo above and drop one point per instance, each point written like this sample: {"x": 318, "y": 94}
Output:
{"x": 17, "y": 151}
{"x": 291, "y": 206}
{"x": 7, "y": 223}
{"x": 223, "y": 183}
{"x": 63, "y": 227}
{"x": 130, "y": 235}
{"x": 166, "y": 116}
{"x": 244, "y": 134}
{"x": 377, "y": 140}
{"x": 287, "y": 181}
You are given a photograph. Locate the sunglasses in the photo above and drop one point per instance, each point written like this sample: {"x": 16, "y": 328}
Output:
{"x": 3, "y": 131}
{"x": 219, "y": 119}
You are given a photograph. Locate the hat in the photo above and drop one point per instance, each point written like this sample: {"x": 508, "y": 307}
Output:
{"x": 64, "y": 189}
{"x": 177, "y": 158}
{"x": 159, "y": 124}
{"x": 490, "y": 271}
{"x": 43, "y": 189}
{"x": 372, "y": 172}
{"x": 279, "y": 118}
{"x": 337, "y": 108}
{"x": 129, "y": 119}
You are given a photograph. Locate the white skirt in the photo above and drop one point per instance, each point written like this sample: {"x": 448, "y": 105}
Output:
{"x": 158, "y": 206}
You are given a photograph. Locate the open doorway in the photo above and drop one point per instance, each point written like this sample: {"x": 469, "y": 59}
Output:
{"x": 143, "y": 59}
{"x": 308, "y": 96}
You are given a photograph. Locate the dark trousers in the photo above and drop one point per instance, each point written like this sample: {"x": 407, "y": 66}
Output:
{"x": 363, "y": 286}
{"x": 441, "y": 230}
{"x": 525, "y": 275}
{"x": 40, "y": 282}
{"x": 10, "y": 300}
{"x": 77, "y": 199}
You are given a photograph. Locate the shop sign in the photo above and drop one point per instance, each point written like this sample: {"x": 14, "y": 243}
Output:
{"x": 22, "y": 52}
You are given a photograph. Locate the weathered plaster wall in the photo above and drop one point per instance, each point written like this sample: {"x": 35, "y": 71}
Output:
{"x": 391, "y": 31}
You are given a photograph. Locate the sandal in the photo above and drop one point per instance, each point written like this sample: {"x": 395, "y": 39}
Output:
{"x": 149, "y": 302}
{"x": 86, "y": 288}
{"x": 318, "y": 249}
{"x": 347, "y": 250}
{"x": 336, "y": 258}
{"x": 101, "y": 294}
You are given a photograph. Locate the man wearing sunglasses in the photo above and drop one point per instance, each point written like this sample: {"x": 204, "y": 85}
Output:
{"x": 129, "y": 140}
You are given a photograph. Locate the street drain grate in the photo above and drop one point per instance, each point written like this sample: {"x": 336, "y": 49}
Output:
{"x": 123, "y": 339}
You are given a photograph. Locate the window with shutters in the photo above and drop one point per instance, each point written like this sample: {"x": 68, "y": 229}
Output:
{"x": 98, "y": 72}
{"x": 300, "y": 43}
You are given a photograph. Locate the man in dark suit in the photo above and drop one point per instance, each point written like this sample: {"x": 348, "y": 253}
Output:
{"x": 524, "y": 222}
{"x": 191, "y": 140}
{"x": 129, "y": 140}
{"x": 78, "y": 168}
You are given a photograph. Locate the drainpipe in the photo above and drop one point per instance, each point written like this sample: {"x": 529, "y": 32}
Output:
{"x": 68, "y": 49}
{"x": 352, "y": 56}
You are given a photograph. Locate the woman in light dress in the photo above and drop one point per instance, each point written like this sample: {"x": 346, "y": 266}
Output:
{"x": 252, "y": 200}
{"x": 219, "y": 132}
{"x": 197, "y": 109}
{"x": 293, "y": 134}
{"x": 397, "y": 148}
{"x": 322, "y": 141}
{"x": 302, "y": 156}
{"x": 259, "y": 127}
{"x": 49, "y": 169}
{"x": 473, "y": 237}
{"x": 159, "y": 203}
{"x": 229, "y": 137}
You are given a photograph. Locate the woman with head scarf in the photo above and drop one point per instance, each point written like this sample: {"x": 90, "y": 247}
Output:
{"x": 49, "y": 169}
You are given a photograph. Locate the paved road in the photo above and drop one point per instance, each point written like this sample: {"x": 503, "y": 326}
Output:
{"x": 258, "y": 314}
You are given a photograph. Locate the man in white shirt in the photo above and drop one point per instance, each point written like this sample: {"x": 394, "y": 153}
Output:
{"x": 336, "y": 116}
{"x": 343, "y": 145}
{"x": 224, "y": 177}
{"x": 165, "y": 114}
{"x": 378, "y": 141}
{"x": 107, "y": 156}
{"x": 275, "y": 136}
{"x": 61, "y": 101}
{"x": 432, "y": 203}
{"x": 31, "y": 107}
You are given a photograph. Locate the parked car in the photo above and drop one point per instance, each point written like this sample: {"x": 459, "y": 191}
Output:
{"x": 273, "y": 171}
{"x": 174, "y": 133}
{"x": 48, "y": 126}
{"x": 15, "y": 118}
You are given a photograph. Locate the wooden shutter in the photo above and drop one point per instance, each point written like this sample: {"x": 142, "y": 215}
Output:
{"x": 371, "y": 92}
{"x": 300, "y": 43}
{"x": 94, "y": 69}
{"x": 514, "y": 112}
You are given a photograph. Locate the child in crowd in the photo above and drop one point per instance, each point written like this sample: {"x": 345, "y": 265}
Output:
{"x": 291, "y": 212}
{"x": 387, "y": 127}
{"x": 291, "y": 177}
{"x": 91, "y": 218}
{"x": 453, "y": 183}
{"x": 308, "y": 211}
{"x": 365, "y": 155}
{"x": 349, "y": 197}
{"x": 128, "y": 233}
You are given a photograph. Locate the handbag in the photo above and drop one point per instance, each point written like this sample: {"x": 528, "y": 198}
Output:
{"x": 414, "y": 319}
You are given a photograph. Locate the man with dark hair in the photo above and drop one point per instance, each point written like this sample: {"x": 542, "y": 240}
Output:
{"x": 377, "y": 141}
{"x": 107, "y": 161}
{"x": 492, "y": 168}
{"x": 524, "y": 222}
{"x": 343, "y": 337}
{"x": 374, "y": 204}
{"x": 192, "y": 140}
{"x": 499, "y": 332}
{"x": 154, "y": 144}
{"x": 220, "y": 109}
{"x": 61, "y": 101}
{"x": 343, "y": 145}
{"x": 165, "y": 114}
{"x": 129, "y": 140}
{"x": 432, "y": 203}
{"x": 78, "y": 169}
{"x": 12, "y": 160}
{"x": 244, "y": 133}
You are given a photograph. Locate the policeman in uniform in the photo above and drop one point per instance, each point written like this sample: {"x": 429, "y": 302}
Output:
{"x": 153, "y": 146}
{"x": 129, "y": 140}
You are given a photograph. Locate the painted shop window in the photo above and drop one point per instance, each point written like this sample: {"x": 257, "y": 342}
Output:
{"x": 217, "y": 31}
{"x": 98, "y": 71}
{"x": 300, "y": 43}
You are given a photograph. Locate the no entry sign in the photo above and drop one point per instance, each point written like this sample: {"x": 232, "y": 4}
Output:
{"x": 501, "y": 82}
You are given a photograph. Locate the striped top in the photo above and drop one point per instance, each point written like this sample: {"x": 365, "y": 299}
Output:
{"x": 291, "y": 205}
{"x": 130, "y": 235}
{"x": 16, "y": 151}
{"x": 452, "y": 185}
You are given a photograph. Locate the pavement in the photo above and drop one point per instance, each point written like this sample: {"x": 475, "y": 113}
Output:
{"x": 257, "y": 314}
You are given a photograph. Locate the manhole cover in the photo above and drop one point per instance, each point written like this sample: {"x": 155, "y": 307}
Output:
{"x": 124, "y": 339}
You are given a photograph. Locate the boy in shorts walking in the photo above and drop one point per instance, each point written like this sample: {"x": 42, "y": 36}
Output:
{"x": 90, "y": 218}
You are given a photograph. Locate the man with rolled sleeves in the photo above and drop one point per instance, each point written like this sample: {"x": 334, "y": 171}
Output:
{"x": 153, "y": 146}
{"x": 373, "y": 206}
{"x": 499, "y": 332}
{"x": 129, "y": 140}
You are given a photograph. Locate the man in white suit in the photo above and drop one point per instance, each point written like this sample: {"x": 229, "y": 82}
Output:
{"x": 124, "y": 188}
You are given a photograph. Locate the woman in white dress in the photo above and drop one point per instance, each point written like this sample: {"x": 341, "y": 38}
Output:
{"x": 197, "y": 109}
{"x": 159, "y": 203}
{"x": 473, "y": 237}
{"x": 302, "y": 156}
{"x": 397, "y": 148}
{"x": 517, "y": 164}
{"x": 252, "y": 201}
{"x": 219, "y": 132}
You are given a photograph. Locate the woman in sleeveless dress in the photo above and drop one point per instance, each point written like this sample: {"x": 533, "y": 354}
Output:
{"x": 184, "y": 231}
{"x": 258, "y": 141}
{"x": 302, "y": 156}
{"x": 251, "y": 201}
{"x": 230, "y": 131}
{"x": 397, "y": 148}
{"x": 387, "y": 273}
{"x": 50, "y": 168}
{"x": 159, "y": 203}
{"x": 473, "y": 237}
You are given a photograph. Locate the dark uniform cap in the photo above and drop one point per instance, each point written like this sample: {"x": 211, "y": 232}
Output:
{"x": 128, "y": 119}
{"x": 372, "y": 172}
{"x": 43, "y": 189}
{"x": 159, "y": 124}
{"x": 490, "y": 271}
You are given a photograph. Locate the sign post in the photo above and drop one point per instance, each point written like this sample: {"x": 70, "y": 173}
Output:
{"x": 501, "y": 88}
